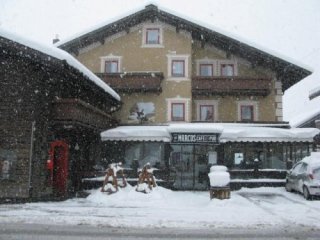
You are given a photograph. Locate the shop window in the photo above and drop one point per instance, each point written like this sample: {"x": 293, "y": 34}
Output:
{"x": 139, "y": 154}
{"x": 206, "y": 70}
{"x": 8, "y": 159}
{"x": 177, "y": 112}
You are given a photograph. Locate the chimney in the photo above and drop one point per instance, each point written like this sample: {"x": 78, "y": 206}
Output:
{"x": 56, "y": 39}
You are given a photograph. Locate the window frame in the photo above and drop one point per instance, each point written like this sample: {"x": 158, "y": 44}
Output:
{"x": 213, "y": 112}
{"x": 241, "y": 112}
{"x": 254, "y": 104}
{"x": 222, "y": 65}
{"x": 232, "y": 62}
{"x": 171, "y": 59}
{"x": 183, "y": 66}
{"x": 147, "y": 34}
{"x": 110, "y": 58}
{"x": 111, "y": 61}
{"x": 206, "y": 64}
{"x": 144, "y": 39}
{"x": 174, "y": 119}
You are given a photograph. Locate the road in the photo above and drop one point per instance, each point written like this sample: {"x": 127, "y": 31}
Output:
{"x": 19, "y": 231}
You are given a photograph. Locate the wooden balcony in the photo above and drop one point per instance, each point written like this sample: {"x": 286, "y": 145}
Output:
{"x": 231, "y": 86}
{"x": 133, "y": 81}
{"x": 77, "y": 112}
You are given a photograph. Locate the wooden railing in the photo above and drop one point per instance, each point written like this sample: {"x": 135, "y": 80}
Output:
{"x": 231, "y": 86}
{"x": 133, "y": 81}
{"x": 77, "y": 111}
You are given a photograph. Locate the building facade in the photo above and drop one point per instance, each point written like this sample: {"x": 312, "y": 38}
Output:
{"x": 52, "y": 112}
{"x": 169, "y": 70}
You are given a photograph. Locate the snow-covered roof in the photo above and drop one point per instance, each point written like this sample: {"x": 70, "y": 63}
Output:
{"x": 304, "y": 117}
{"x": 229, "y": 133}
{"x": 286, "y": 68}
{"x": 314, "y": 93}
{"x": 137, "y": 133}
{"x": 61, "y": 55}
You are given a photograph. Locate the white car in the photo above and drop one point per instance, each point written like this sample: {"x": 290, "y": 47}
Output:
{"x": 304, "y": 177}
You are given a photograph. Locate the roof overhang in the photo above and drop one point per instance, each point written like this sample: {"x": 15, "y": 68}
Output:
{"x": 287, "y": 71}
{"x": 227, "y": 133}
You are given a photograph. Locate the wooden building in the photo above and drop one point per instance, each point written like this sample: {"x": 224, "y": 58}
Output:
{"x": 52, "y": 110}
{"x": 170, "y": 70}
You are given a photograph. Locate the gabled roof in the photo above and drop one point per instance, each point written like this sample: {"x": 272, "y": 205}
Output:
{"x": 287, "y": 71}
{"x": 50, "y": 52}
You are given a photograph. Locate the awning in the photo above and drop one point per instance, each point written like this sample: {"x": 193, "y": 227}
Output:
{"x": 267, "y": 134}
{"x": 137, "y": 133}
{"x": 227, "y": 132}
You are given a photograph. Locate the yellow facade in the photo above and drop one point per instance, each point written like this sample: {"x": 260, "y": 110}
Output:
{"x": 134, "y": 56}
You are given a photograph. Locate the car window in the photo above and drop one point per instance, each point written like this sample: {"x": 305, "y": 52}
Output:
{"x": 296, "y": 168}
{"x": 303, "y": 168}
{"x": 316, "y": 173}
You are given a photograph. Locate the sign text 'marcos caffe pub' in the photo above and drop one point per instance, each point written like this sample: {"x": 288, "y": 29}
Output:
{"x": 255, "y": 154}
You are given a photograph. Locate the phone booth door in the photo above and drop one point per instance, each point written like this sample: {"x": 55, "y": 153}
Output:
{"x": 58, "y": 166}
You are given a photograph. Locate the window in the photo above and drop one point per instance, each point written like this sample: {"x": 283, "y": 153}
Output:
{"x": 177, "y": 112}
{"x": 206, "y": 113}
{"x": 227, "y": 70}
{"x": 152, "y": 36}
{"x": 248, "y": 110}
{"x": 206, "y": 69}
{"x": 247, "y": 113}
{"x": 207, "y": 110}
{"x": 111, "y": 66}
{"x": 178, "y": 68}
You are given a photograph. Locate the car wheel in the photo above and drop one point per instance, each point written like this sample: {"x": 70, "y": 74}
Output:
{"x": 288, "y": 188}
{"x": 306, "y": 193}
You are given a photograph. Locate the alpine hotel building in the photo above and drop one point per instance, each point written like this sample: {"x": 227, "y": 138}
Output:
{"x": 193, "y": 97}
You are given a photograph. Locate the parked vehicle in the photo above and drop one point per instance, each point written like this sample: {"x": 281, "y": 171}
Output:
{"x": 304, "y": 177}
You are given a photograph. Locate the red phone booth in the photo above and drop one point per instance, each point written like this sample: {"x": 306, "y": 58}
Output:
{"x": 57, "y": 165}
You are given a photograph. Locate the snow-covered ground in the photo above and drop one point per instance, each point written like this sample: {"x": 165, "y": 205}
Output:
{"x": 163, "y": 208}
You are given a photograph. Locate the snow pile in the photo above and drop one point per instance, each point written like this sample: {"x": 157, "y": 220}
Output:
{"x": 163, "y": 208}
{"x": 218, "y": 176}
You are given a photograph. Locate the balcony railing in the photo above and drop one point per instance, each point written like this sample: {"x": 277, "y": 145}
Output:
{"x": 133, "y": 81}
{"x": 231, "y": 86}
{"x": 75, "y": 111}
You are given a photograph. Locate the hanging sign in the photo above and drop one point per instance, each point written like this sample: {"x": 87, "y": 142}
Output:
{"x": 195, "y": 138}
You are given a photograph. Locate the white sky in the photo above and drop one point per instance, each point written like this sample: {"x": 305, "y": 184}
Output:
{"x": 289, "y": 27}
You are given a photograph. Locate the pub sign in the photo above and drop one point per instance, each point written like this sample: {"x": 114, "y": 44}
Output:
{"x": 195, "y": 138}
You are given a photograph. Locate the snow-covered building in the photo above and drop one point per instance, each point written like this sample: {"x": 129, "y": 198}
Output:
{"x": 213, "y": 97}
{"x": 52, "y": 112}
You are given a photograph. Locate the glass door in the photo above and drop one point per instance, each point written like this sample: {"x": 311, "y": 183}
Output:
{"x": 183, "y": 164}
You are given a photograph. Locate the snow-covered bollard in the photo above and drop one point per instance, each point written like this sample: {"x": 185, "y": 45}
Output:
{"x": 219, "y": 182}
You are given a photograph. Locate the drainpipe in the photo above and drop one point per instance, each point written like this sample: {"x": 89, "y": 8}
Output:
{"x": 30, "y": 158}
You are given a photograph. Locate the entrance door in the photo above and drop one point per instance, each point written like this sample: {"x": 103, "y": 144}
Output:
{"x": 183, "y": 164}
{"x": 59, "y": 153}
{"x": 191, "y": 163}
